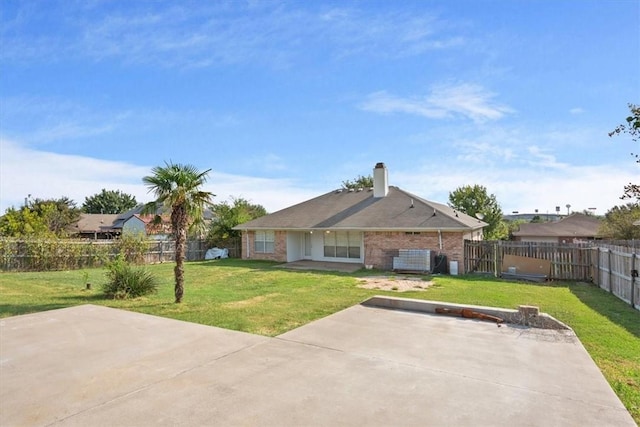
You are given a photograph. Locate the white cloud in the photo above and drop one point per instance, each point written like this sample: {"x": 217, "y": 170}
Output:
{"x": 385, "y": 103}
{"x": 539, "y": 157}
{"x": 42, "y": 120}
{"x": 468, "y": 100}
{"x": 205, "y": 34}
{"x": 43, "y": 174}
{"x": 26, "y": 171}
{"x": 46, "y": 119}
{"x": 273, "y": 194}
{"x": 525, "y": 168}
{"x": 523, "y": 189}
{"x": 483, "y": 152}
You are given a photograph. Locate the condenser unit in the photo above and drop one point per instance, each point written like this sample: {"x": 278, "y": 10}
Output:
{"x": 415, "y": 260}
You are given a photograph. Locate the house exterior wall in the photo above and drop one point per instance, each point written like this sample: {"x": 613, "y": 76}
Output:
{"x": 475, "y": 235}
{"x": 381, "y": 247}
{"x": 134, "y": 225}
{"x": 279, "y": 247}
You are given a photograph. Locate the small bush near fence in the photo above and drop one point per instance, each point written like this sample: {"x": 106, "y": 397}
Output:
{"x": 126, "y": 281}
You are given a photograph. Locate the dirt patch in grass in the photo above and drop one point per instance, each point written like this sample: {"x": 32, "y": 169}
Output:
{"x": 394, "y": 283}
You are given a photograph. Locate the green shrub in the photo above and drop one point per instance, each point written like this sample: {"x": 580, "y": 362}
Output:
{"x": 133, "y": 247}
{"x": 125, "y": 281}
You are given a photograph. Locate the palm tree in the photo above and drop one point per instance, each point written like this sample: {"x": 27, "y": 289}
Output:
{"x": 177, "y": 188}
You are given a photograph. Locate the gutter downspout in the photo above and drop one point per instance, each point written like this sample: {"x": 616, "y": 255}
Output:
{"x": 248, "y": 253}
{"x": 440, "y": 238}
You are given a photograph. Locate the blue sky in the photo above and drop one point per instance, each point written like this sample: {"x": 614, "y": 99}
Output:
{"x": 284, "y": 100}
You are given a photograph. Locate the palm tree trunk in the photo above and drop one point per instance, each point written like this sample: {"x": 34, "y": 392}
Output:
{"x": 178, "y": 272}
{"x": 180, "y": 220}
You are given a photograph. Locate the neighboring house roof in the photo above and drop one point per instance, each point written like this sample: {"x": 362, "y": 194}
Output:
{"x": 103, "y": 223}
{"x": 575, "y": 225}
{"x": 123, "y": 217}
{"x": 93, "y": 223}
{"x": 147, "y": 218}
{"x": 359, "y": 210}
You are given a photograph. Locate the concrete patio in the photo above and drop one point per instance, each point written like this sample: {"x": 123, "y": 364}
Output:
{"x": 364, "y": 366}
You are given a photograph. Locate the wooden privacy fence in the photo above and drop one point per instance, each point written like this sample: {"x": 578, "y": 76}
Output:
{"x": 616, "y": 271}
{"x": 613, "y": 268}
{"x": 165, "y": 251}
{"x": 62, "y": 254}
{"x": 568, "y": 261}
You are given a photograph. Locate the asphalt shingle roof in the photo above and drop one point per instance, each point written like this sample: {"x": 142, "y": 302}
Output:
{"x": 577, "y": 225}
{"x": 90, "y": 223}
{"x": 358, "y": 209}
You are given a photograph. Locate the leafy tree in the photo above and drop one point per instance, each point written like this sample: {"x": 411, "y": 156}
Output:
{"x": 109, "y": 202}
{"x": 511, "y": 226}
{"x": 359, "y": 182}
{"x": 536, "y": 219}
{"x": 59, "y": 214}
{"x": 40, "y": 218}
{"x": 632, "y": 128}
{"x": 22, "y": 223}
{"x": 227, "y": 216}
{"x": 618, "y": 222}
{"x": 476, "y": 202}
{"x": 178, "y": 188}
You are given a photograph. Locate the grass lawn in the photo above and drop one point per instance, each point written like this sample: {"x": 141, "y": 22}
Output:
{"x": 255, "y": 297}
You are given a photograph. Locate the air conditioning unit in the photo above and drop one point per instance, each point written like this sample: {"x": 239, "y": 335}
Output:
{"x": 415, "y": 260}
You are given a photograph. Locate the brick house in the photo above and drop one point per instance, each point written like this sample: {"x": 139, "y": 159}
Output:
{"x": 368, "y": 226}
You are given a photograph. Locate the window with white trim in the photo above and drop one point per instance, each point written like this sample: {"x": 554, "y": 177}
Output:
{"x": 264, "y": 241}
{"x": 342, "y": 244}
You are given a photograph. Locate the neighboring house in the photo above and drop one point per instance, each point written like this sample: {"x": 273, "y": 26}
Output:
{"x": 367, "y": 226}
{"x": 573, "y": 228}
{"x": 94, "y": 226}
{"x": 108, "y": 226}
{"x": 134, "y": 222}
{"x": 136, "y": 225}
{"x": 133, "y": 225}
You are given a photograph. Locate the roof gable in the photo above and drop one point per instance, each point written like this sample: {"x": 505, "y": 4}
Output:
{"x": 359, "y": 209}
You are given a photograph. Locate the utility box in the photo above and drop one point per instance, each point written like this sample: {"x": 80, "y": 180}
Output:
{"x": 453, "y": 268}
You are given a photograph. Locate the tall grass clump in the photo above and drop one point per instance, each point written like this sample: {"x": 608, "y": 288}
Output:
{"x": 125, "y": 281}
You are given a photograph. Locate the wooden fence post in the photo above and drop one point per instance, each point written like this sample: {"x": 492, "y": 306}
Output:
{"x": 495, "y": 258}
{"x": 609, "y": 270}
{"x": 598, "y": 266}
{"x": 634, "y": 277}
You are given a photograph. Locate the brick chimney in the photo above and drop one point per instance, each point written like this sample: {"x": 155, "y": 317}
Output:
{"x": 380, "y": 180}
